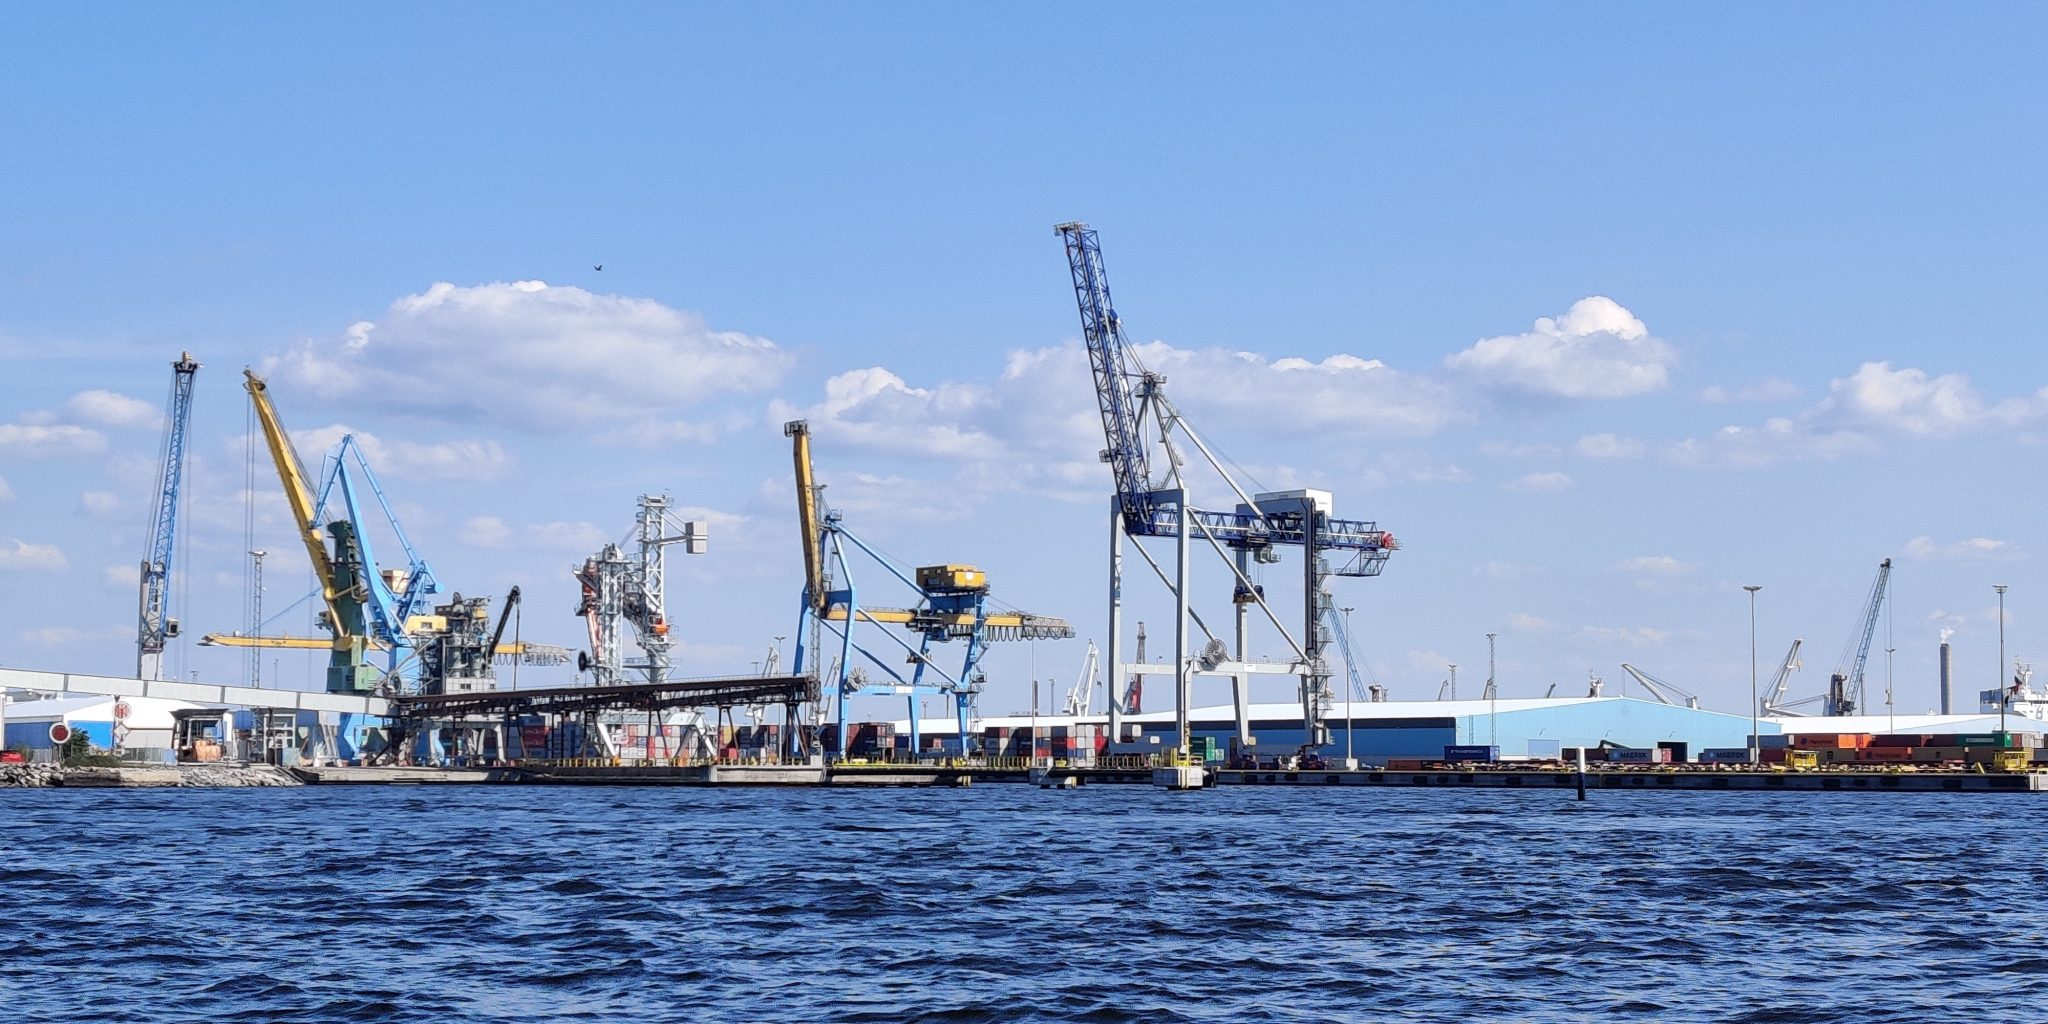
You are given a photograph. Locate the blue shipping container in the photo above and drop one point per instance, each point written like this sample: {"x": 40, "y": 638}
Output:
{"x": 1471, "y": 753}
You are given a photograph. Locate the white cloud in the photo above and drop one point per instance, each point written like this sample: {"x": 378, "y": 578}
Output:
{"x": 530, "y": 355}
{"x": 1527, "y": 623}
{"x": 110, "y": 409}
{"x": 1596, "y": 349}
{"x": 1777, "y": 440}
{"x": 99, "y": 503}
{"x": 1771, "y": 389}
{"x": 454, "y": 459}
{"x": 1655, "y": 565}
{"x": 875, "y": 409}
{"x": 126, "y": 576}
{"x": 19, "y": 554}
{"x": 485, "y": 532}
{"x": 36, "y": 439}
{"x": 1962, "y": 550}
{"x": 1538, "y": 483}
{"x": 1908, "y": 401}
{"x": 1608, "y": 446}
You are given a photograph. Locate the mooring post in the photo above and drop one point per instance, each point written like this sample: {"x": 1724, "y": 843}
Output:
{"x": 1582, "y": 773}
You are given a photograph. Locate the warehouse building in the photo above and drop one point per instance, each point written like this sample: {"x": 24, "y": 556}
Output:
{"x": 1374, "y": 732}
{"x": 146, "y": 732}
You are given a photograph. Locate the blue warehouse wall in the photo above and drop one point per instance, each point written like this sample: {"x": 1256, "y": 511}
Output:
{"x": 1621, "y": 722}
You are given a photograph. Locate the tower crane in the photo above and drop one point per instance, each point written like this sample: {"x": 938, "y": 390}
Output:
{"x": 1663, "y": 691}
{"x": 952, "y": 604}
{"x": 154, "y": 626}
{"x": 1154, "y": 502}
{"x": 618, "y": 587}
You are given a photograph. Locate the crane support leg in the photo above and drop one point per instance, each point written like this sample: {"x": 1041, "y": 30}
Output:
{"x": 1183, "y": 684}
{"x": 1116, "y": 623}
{"x": 1241, "y": 683}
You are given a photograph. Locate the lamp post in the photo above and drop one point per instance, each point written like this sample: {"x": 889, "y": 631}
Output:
{"x": 1350, "y": 694}
{"x": 2002, "y": 701}
{"x": 1755, "y": 698}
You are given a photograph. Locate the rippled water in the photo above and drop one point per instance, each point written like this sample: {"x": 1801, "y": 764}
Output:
{"x": 1010, "y": 903}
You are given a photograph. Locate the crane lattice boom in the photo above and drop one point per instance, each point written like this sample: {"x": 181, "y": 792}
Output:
{"x": 154, "y": 625}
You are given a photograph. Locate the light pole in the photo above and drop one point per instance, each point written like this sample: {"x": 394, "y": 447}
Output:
{"x": 1350, "y": 694}
{"x": 1755, "y": 698}
{"x": 2000, "y": 587}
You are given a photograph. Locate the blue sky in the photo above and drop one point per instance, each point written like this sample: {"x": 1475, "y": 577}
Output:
{"x": 1789, "y": 259}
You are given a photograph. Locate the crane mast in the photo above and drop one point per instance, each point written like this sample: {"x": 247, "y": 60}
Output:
{"x": 154, "y": 626}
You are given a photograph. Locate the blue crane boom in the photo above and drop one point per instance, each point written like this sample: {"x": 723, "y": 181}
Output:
{"x": 1123, "y": 388}
{"x": 154, "y": 626}
{"x": 1845, "y": 689}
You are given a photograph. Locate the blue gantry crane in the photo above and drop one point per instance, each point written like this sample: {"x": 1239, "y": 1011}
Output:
{"x": 392, "y": 599}
{"x": 154, "y": 625}
{"x": 1154, "y": 502}
{"x": 952, "y": 604}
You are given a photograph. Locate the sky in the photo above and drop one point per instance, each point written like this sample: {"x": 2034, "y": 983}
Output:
{"x": 1604, "y": 310}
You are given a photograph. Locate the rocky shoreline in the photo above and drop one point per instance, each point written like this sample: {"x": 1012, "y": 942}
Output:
{"x": 212, "y": 776}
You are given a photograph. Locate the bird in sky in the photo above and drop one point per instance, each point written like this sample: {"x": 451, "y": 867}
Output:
{"x": 599, "y": 267}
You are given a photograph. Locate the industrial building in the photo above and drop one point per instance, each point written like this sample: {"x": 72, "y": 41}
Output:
{"x": 146, "y": 729}
{"x": 1373, "y": 732}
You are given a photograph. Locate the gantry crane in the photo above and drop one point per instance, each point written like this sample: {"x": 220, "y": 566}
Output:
{"x": 154, "y": 626}
{"x": 1136, "y": 416}
{"x": 952, "y": 605}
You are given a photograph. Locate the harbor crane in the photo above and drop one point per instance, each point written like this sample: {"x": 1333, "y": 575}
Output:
{"x": 1775, "y": 703}
{"x": 1664, "y": 692}
{"x": 1081, "y": 696}
{"x": 367, "y": 609}
{"x": 618, "y": 587}
{"x": 1844, "y": 695}
{"x": 154, "y": 626}
{"x": 952, "y": 604}
{"x": 1153, "y": 501}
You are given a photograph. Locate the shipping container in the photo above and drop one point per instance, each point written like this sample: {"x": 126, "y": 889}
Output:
{"x": 1779, "y": 741}
{"x": 1724, "y": 755}
{"x": 1406, "y": 764}
{"x": 1459, "y": 753}
{"x": 1901, "y": 741}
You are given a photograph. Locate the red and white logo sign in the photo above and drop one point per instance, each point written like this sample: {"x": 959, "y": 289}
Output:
{"x": 59, "y": 732}
{"x": 121, "y": 710}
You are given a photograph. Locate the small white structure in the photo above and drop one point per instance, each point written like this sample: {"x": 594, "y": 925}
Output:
{"x": 25, "y": 724}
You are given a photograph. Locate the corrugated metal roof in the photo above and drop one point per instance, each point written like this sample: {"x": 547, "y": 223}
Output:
{"x": 1393, "y": 710}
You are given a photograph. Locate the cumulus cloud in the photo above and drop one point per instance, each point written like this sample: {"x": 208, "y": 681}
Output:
{"x": 1608, "y": 446}
{"x": 50, "y": 439}
{"x": 455, "y": 459}
{"x": 1876, "y": 401}
{"x": 110, "y": 409}
{"x": 875, "y": 409}
{"x": 1655, "y": 565}
{"x": 1538, "y": 483}
{"x": 1962, "y": 550}
{"x": 99, "y": 503}
{"x": 1596, "y": 349}
{"x": 1781, "y": 439}
{"x": 1909, "y": 401}
{"x": 532, "y": 355}
{"x": 20, "y": 554}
